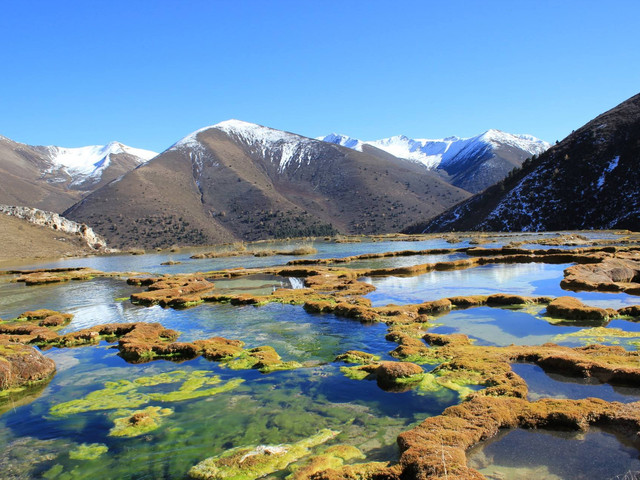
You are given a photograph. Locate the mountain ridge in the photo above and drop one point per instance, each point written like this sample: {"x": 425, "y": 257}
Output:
{"x": 589, "y": 180}
{"x": 54, "y": 178}
{"x": 472, "y": 163}
{"x": 242, "y": 181}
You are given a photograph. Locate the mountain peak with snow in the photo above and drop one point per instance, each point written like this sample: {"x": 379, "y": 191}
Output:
{"x": 474, "y": 163}
{"x": 86, "y": 165}
{"x": 437, "y": 153}
{"x": 344, "y": 140}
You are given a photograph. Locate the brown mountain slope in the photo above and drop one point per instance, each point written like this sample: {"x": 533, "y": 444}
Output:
{"x": 20, "y": 179}
{"x": 34, "y": 176}
{"x": 243, "y": 181}
{"x": 589, "y": 180}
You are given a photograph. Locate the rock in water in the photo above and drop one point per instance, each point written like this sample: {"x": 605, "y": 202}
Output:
{"x": 21, "y": 366}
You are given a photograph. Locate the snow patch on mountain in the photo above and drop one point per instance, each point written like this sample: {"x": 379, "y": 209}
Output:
{"x": 343, "y": 140}
{"x": 283, "y": 148}
{"x": 84, "y": 164}
{"x": 609, "y": 168}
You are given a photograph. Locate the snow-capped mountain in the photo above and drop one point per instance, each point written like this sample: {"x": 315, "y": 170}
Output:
{"x": 53, "y": 178}
{"x": 85, "y": 166}
{"x": 589, "y": 180}
{"x": 238, "y": 180}
{"x": 284, "y": 149}
{"x": 472, "y": 163}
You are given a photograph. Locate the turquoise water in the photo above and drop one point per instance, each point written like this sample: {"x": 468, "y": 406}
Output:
{"x": 265, "y": 409}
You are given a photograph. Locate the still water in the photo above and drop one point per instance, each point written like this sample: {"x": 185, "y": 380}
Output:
{"x": 281, "y": 407}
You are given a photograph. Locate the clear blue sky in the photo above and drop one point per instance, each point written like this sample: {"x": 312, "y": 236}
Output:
{"x": 147, "y": 73}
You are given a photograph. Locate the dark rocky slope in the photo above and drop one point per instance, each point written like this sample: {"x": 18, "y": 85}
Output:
{"x": 589, "y": 180}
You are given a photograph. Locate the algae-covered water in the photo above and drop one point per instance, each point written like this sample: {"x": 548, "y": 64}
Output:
{"x": 277, "y": 408}
{"x": 66, "y": 429}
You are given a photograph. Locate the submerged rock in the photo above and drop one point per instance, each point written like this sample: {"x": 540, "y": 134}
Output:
{"x": 24, "y": 457}
{"x": 254, "y": 462}
{"x": 88, "y": 451}
{"x": 139, "y": 422}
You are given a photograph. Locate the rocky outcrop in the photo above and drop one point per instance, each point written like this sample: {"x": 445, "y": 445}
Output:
{"x": 56, "y": 222}
{"x": 22, "y": 366}
{"x": 573, "y": 309}
{"x": 610, "y": 275}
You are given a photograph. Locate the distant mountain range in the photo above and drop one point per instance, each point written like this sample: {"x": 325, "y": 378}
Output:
{"x": 470, "y": 163}
{"x": 241, "y": 181}
{"x": 54, "y": 178}
{"x": 237, "y": 180}
{"x": 589, "y": 180}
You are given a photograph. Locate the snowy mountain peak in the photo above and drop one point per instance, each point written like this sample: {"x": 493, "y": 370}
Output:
{"x": 280, "y": 147}
{"x": 526, "y": 142}
{"x": 437, "y": 153}
{"x": 86, "y": 164}
{"x": 344, "y": 140}
{"x": 250, "y": 133}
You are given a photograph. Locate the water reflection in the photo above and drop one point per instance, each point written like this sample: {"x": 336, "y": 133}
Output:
{"x": 529, "y": 279}
{"x": 554, "y": 455}
{"x": 556, "y": 385}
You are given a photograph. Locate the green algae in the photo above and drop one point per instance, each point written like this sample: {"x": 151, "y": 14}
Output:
{"x": 265, "y": 359}
{"x": 357, "y": 357}
{"x": 139, "y": 422}
{"x": 434, "y": 384}
{"x": 244, "y": 361}
{"x": 192, "y": 389}
{"x": 598, "y": 334}
{"x": 164, "y": 378}
{"x": 355, "y": 373}
{"x": 278, "y": 367}
{"x": 120, "y": 394}
{"x": 333, "y": 457}
{"x": 248, "y": 463}
{"x": 88, "y": 451}
{"x": 410, "y": 380}
{"x": 125, "y": 394}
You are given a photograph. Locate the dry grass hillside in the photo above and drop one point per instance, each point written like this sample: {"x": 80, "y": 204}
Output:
{"x": 23, "y": 240}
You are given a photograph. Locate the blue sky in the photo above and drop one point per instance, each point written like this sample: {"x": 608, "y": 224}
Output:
{"x": 147, "y": 73}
